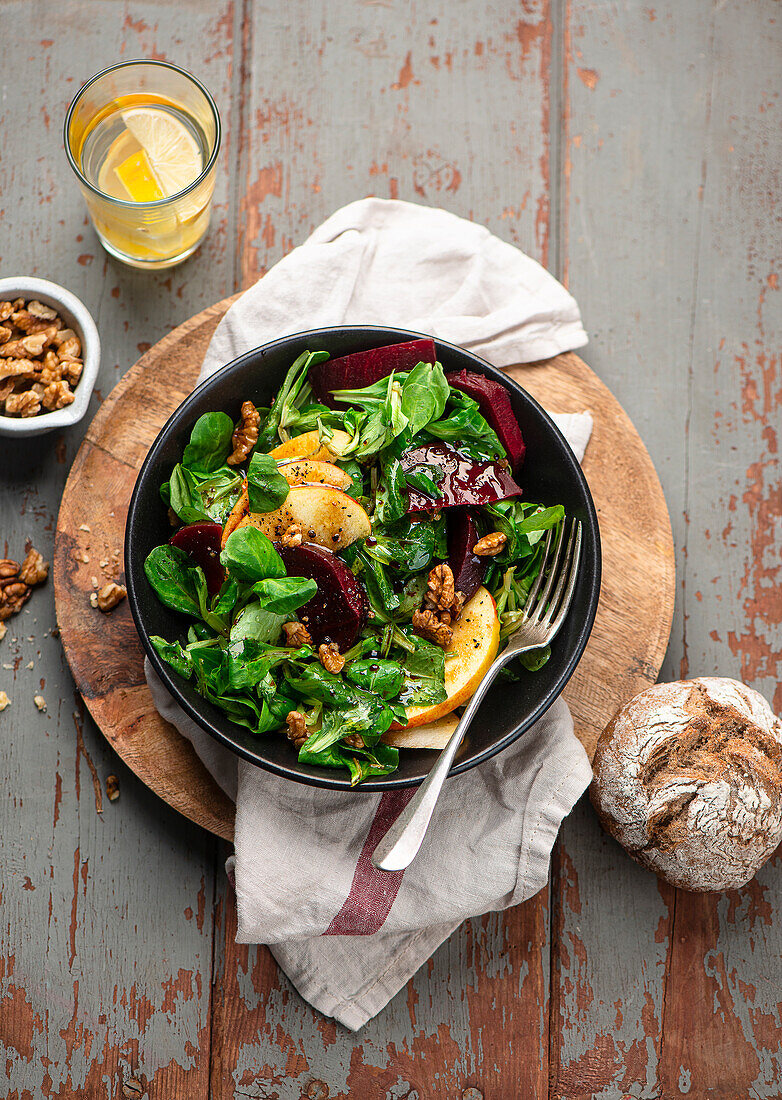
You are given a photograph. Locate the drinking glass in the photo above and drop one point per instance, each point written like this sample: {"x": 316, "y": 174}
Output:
{"x": 143, "y": 139}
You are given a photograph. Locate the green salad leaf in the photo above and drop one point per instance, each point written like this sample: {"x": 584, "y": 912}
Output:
{"x": 250, "y": 556}
{"x": 267, "y": 489}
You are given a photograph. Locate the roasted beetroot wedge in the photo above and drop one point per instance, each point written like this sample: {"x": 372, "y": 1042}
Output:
{"x": 362, "y": 368}
{"x": 495, "y": 405}
{"x": 467, "y": 568}
{"x": 201, "y": 542}
{"x": 465, "y": 482}
{"x": 338, "y": 609}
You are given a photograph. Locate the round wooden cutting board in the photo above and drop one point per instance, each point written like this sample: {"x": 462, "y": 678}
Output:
{"x": 623, "y": 656}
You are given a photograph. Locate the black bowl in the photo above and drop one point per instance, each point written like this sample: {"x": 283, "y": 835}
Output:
{"x": 550, "y": 475}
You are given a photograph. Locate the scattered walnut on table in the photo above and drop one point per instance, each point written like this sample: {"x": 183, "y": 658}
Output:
{"x": 110, "y": 595}
{"x": 33, "y": 570}
{"x": 297, "y": 728}
{"x": 13, "y": 596}
{"x": 40, "y": 702}
{"x": 4, "y": 700}
{"x": 427, "y": 625}
{"x": 8, "y": 568}
{"x": 490, "y": 545}
{"x": 245, "y": 434}
{"x": 330, "y": 657}
{"x": 296, "y": 634}
{"x": 112, "y": 788}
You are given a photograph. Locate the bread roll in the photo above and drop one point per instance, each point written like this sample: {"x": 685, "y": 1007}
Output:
{"x": 688, "y": 778}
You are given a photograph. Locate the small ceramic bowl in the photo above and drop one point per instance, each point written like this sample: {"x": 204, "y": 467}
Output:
{"x": 76, "y": 316}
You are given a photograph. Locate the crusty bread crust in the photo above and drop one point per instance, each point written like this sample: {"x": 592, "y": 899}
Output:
{"x": 688, "y": 778}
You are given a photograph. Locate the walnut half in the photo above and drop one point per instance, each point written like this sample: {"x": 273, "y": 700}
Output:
{"x": 245, "y": 434}
{"x": 427, "y": 625}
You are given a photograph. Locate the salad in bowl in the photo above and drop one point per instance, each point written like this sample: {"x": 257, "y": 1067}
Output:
{"x": 346, "y": 563}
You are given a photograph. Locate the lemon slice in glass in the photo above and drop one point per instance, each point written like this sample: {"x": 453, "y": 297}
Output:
{"x": 136, "y": 176}
{"x": 171, "y": 149}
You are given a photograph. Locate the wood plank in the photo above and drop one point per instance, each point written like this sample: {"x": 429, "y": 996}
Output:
{"x": 106, "y": 919}
{"x": 667, "y": 120}
{"x": 444, "y": 1023}
{"x": 722, "y": 1021}
{"x": 398, "y": 102}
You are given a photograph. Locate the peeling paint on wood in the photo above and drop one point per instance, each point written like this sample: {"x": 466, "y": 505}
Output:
{"x": 632, "y": 146}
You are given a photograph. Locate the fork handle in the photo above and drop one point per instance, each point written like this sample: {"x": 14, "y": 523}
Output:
{"x": 400, "y": 845}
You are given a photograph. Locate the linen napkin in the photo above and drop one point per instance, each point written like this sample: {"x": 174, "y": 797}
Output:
{"x": 347, "y": 935}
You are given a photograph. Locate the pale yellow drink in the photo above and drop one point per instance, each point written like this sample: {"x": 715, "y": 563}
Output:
{"x": 145, "y": 160}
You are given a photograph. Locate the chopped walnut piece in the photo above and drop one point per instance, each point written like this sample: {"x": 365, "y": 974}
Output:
{"x": 6, "y": 309}
{"x": 293, "y": 535}
{"x": 427, "y": 625}
{"x": 23, "y": 346}
{"x": 5, "y": 333}
{"x": 330, "y": 657}
{"x": 34, "y": 569}
{"x": 40, "y": 702}
{"x": 63, "y": 335}
{"x": 296, "y": 634}
{"x": 51, "y": 368}
{"x": 27, "y": 403}
{"x": 24, "y": 321}
{"x": 245, "y": 434}
{"x": 297, "y": 728}
{"x": 440, "y": 592}
{"x": 17, "y": 368}
{"x": 69, "y": 349}
{"x": 112, "y": 788}
{"x": 4, "y": 700}
{"x": 72, "y": 369}
{"x": 18, "y": 303}
{"x": 42, "y": 312}
{"x": 355, "y": 741}
{"x": 8, "y": 568}
{"x": 490, "y": 545}
{"x": 57, "y": 395}
{"x": 110, "y": 595}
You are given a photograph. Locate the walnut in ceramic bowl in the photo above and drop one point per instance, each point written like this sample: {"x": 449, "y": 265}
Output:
{"x": 49, "y": 357}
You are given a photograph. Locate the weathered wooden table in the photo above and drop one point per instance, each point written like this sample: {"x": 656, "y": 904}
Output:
{"x": 633, "y": 149}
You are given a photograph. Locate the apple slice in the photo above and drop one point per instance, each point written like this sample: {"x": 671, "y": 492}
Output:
{"x": 328, "y": 516}
{"x": 434, "y": 735}
{"x": 362, "y": 368}
{"x": 309, "y": 446}
{"x": 306, "y": 471}
{"x": 476, "y": 639}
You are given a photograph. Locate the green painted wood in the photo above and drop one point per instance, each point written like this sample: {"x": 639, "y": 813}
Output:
{"x": 669, "y": 235}
{"x": 631, "y": 147}
{"x": 106, "y": 918}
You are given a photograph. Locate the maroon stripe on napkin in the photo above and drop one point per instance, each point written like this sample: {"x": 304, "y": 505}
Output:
{"x": 372, "y": 892}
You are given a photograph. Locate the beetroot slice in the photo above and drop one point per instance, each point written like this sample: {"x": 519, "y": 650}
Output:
{"x": 465, "y": 482}
{"x": 338, "y": 609}
{"x": 494, "y": 402}
{"x": 362, "y": 368}
{"x": 201, "y": 542}
{"x": 467, "y": 568}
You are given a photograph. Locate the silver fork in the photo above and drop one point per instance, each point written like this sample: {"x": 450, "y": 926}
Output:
{"x": 542, "y": 616}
